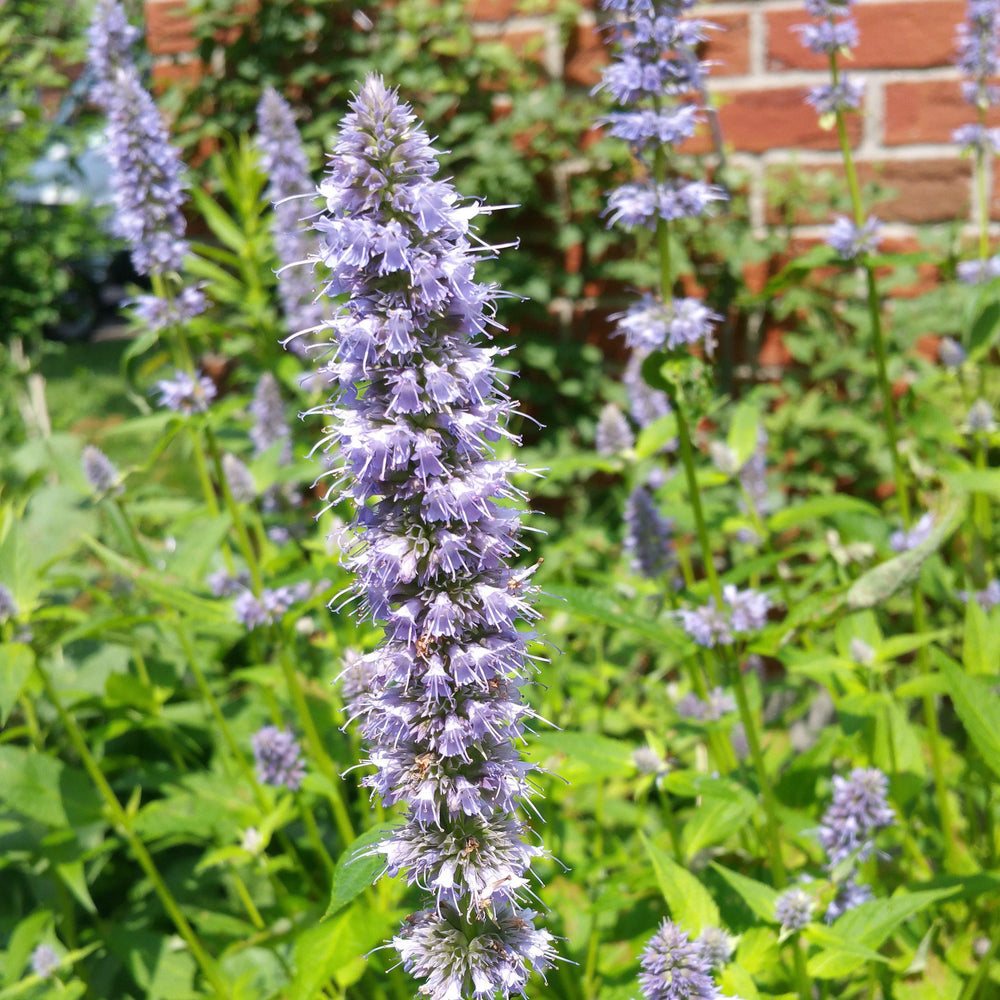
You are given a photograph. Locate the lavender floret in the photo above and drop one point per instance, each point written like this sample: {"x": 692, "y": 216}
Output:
{"x": 99, "y": 471}
{"x": 988, "y": 598}
{"x": 829, "y": 98}
{"x": 978, "y": 59}
{"x": 858, "y": 810}
{"x": 745, "y": 612}
{"x": 146, "y": 173}
{"x": 903, "y": 541}
{"x": 270, "y": 425}
{"x": 157, "y": 313}
{"x": 828, "y": 36}
{"x": 185, "y": 393}
{"x": 290, "y": 190}
{"x": 649, "y": 535}
{"x": 8, "y": 604}
{"x": 849, "y": 895}
{"x": 981, "y": 418}
{"x": 794, "y": 909}
{"x": 676, "y": 968}
{"x": 851, "y": 241}
{"x": 613, "y": 435}
{"x": 278, "y": 757}
{"x": 717, "y": 947}
{"x": 110, "y": 38}
{"x": 239, "y": 479}
{"x": 978, "y": 272}
{"x": 418, "y": 408}
{"x": 951, "y": 353}
{"x": 44, "y": 961}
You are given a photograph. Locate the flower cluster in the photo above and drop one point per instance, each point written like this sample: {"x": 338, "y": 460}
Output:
{"x": 794, "y": 909}
{"x": 186, "y": 393}
{"x": 251, "y": 610}
{"x": 834, "y": 31}
{"x": 988, "y": 598}
{"x": 950, "y": 352}
{"x": 852, "y": 241}
{"x": 648, "y": 535}
{"x": 283, "y": 159}
{"x": 270, "y": 425}
{"x": 981, "y": 419}
{"x": 859, "y": 809}
{"x": 676, "y": 968}
{"x": 613, "y": 435}
{"x": 44, "y": 961}
{"x": 978, "y": 59}
{"x": 110, "y": 38}
{"x": 418, "y": 406}
{"x": 100, "y": 471}
{"x": 718, "y": 704}
{"x": 745, "y": 612}
{"x": 278, "y": 758}
{"x": 239, "y": 479}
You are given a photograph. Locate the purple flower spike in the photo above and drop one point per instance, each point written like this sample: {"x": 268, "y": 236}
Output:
{"x": 146, "y": 174}
{"x": 290, "y": 190}
{"x": 903, "y": 541}
{"x": 649, "y": 536}
{"x": 978, "y": 58}
{"x": 270, "y": 425}
{"x": 110, "y": 39}
{"x": 100, "y": 471}
{"x": 794, "y": 909}
{"x": 613, "y": 435}
{"x": 278, "y": 757}
{"x": 418, "y": 407}
{"x": 829, "y": 98}
{"x": 8, "y": 604}
{"x": 676, "y": 968}
{"x": 858, "y": 810}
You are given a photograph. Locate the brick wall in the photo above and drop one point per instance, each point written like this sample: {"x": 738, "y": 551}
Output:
{"x": 901, "y": 137}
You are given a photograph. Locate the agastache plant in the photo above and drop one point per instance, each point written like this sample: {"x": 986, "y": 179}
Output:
{"x": 979, "y": 61}
{"x": 418, "y": 408}
{"x": 290, "y": 187}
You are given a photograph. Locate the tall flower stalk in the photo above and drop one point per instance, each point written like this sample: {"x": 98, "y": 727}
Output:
{"x": 418, "y": 408}
{"x": 283, "y": 159}
{"x": 833, "y": 33}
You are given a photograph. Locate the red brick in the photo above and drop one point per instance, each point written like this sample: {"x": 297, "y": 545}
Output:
{"x": 169, "y": 31}
{"x": 917, "y": 33}
{"x": 729, "y": 48}
{"x": 927, "y": 111}
{"x": 918, "y": 190}
{"x": 169, "y": 74}
{"x": 585, "y": 54}
{"x": 755, "y": 121}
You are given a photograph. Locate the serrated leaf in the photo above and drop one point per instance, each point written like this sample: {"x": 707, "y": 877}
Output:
{"x": 840, "y": 955}
{"x": 589, "y": 754}
{"x": 355, "y": 873}
{"x": 984, "y": 330}
{"x": 713, "y": 822}
{"x": 758, "y": 896}
{"x": 877, "y": 585}
{"x": 690, "y": 903}
{"x": 979, "y": 709}
{"x": 16, "y": 663}
{"x": 736, "y": 981}
{"x": 871, "y": 923}
{"x": 656, "y": 436}
{"x": 980, "y": 654}
{"x": 45, "y": 789}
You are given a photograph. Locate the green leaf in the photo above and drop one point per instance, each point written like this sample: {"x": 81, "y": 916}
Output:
{"x": 840, "y": 955}
{"x": 984, "y": 330}
{"x": 736, "y": 981}
{"x": 45, "y": 789}
{"x": 758, "y": 896}
{"x": 979, "y": 709}
{"x": 604, "y": 607}
{"x": 817, "y": 507}
{"x": 590, "y": 755}
{"x": 980, "y": 652}
{"x": 974, "y": 480}
{"x": 354, "y": 874}
{"x": 878, "y": 584}
{"x": 871, "y": 923}
{"x": 16, "y": 662}
{"x": 656, "y": 435}
{"x": 690, "y": 904}
{"x": 714, "y": 821}
{"x": 335, "y": 949}
{"x": 743, "y": 430}
{"x": 218, "y": 221}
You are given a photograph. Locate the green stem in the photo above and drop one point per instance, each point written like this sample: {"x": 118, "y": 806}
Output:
{"x": 314, "y": 744}
{"x": 763, "y": 779}
{"x": 205, "y": 962}
{"x": 315, "y": 837}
